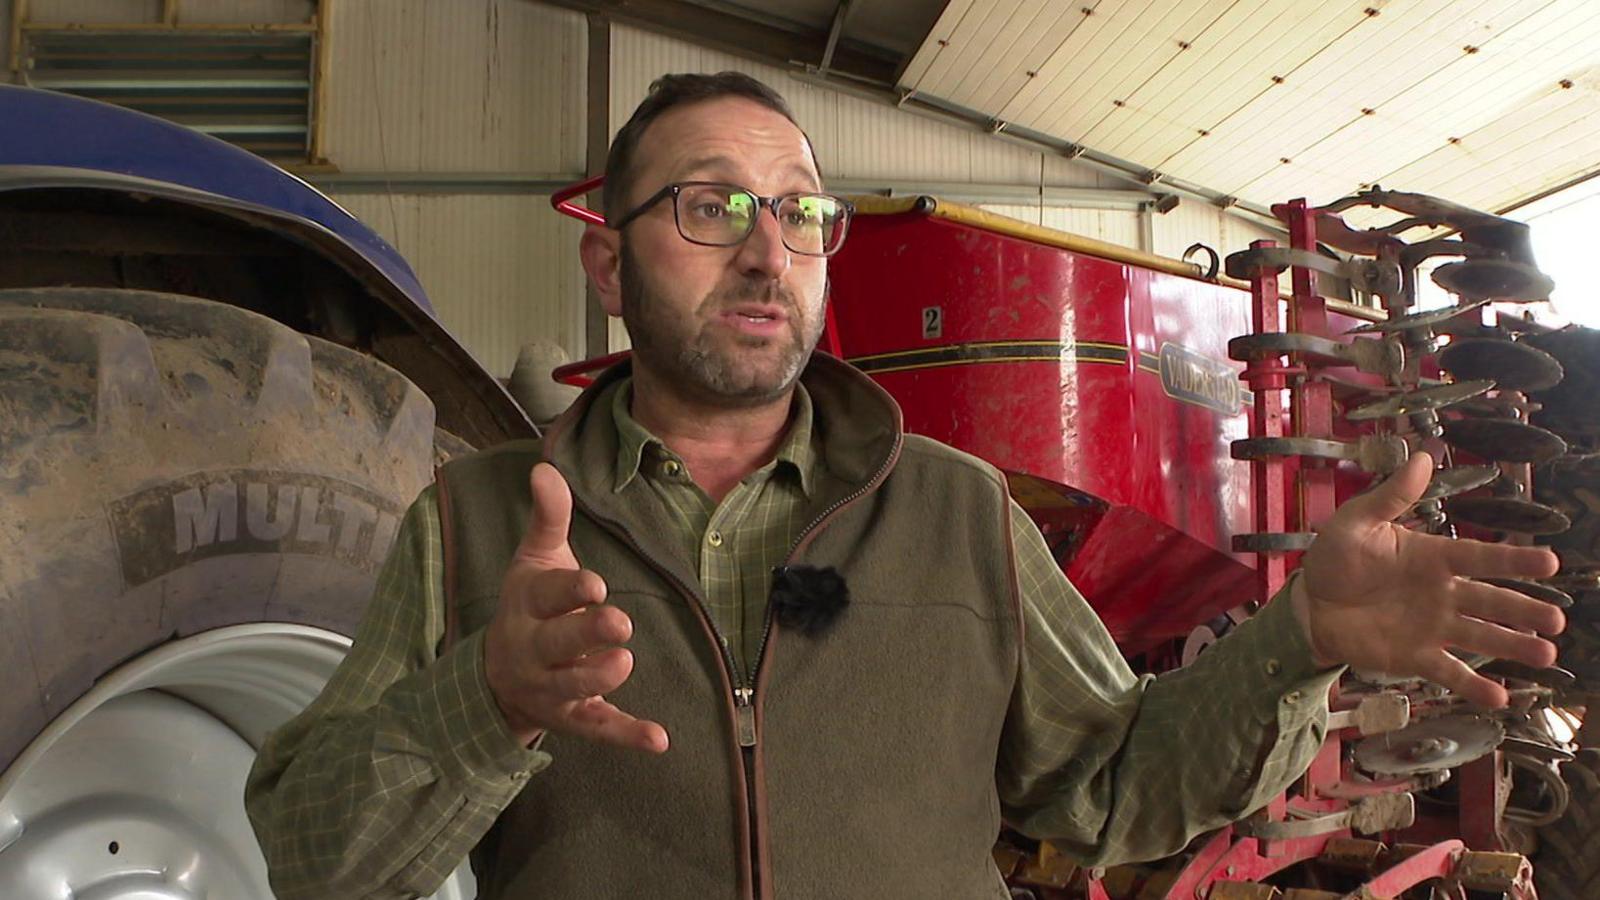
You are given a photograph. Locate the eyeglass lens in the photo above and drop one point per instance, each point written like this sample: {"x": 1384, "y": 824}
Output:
{"x": 722, "y": 215}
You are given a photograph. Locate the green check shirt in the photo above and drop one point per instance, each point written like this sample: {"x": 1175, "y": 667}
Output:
{"x": 382, "y": 786}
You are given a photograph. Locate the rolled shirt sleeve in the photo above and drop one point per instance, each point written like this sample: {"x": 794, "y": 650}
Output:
{"x": 1114, "y": 767}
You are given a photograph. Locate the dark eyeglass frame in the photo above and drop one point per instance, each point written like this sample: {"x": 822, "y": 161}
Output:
{"x": 675, "y": 189}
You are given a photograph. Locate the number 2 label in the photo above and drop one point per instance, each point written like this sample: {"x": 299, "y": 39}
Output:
{"x": 932, "y": 322}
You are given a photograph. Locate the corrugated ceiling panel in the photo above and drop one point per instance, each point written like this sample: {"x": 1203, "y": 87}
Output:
{"x": 1115, "y": 50}
{"x": 471, "y": 85}
{"x": 1411, "y": 42}
{"x": 955, "y": 11}
{"x": 501, "y": 270}
{"x": 1488, "y": 168}
{"x": 103, "y": 12}
{"x": 983, "y": 31}
{"x": 1034, "y": 31}
{"x": 1511, "y": 68}
{"x": 1234, "y": 60}
{"x": 231, "y": 12}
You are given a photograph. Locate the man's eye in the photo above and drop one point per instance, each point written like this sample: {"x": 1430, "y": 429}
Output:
{"x": 708, "y": 209}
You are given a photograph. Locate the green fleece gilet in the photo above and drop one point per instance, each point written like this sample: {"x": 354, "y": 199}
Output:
{"x": 871, "y": 772}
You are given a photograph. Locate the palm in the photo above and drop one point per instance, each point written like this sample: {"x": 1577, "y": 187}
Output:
{"x": 1381, "y": 597}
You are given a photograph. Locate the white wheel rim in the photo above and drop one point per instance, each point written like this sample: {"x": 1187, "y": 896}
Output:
{"x": 135, "y": 792}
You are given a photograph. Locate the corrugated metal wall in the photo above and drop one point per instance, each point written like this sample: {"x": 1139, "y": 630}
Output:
{"x": 484, "y": 86}
{"x": 501, "y": 270}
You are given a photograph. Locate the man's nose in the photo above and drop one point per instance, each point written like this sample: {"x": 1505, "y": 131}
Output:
{"x": 763, "y": 253}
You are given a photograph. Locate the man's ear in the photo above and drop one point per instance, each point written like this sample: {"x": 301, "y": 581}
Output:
{"x": 600, "y": 248}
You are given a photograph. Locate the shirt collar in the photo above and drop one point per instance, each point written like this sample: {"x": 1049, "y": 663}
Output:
{"x": 797, "y": 453}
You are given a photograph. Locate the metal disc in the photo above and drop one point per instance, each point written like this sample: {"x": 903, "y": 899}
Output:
{"x": 1420, "y": 400}
{"x": 1575, "y": 582}
{"x": 1458, "y": 480}
{"x": 1511, "y": 365}
{"x": 1430, "y": 745}
{"x": 1534, "y": 589}
{"x": 1504, "y": 440}
{"x": 1494, "y": 279}
{"x": 1426, "y": 319}
{"x": 1507, "y": 514}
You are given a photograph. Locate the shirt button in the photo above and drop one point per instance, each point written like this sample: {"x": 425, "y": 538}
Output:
{"x": 714, "y": 539}
{"x": 1292, "y": 697}
{"x": 671, "y": 468}
{"x": 1274, "y": 667}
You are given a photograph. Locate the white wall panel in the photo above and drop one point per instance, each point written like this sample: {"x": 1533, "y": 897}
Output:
{"x": 1195, "y": 222}
{"x": 500, "y": 270}
{"x": 468, "y": 85}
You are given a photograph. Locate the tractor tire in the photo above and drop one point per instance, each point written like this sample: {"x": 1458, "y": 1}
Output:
{"x": 174, "y": 472}
{"x": 1567, "y": 866}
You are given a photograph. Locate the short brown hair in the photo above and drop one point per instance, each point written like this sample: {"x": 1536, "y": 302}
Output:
{"x": 667, "y": 92}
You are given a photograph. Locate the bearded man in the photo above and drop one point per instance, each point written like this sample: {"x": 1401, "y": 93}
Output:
{"x": 727, "y": 631}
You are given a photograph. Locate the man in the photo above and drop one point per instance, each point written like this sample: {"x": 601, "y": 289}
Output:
{"x": 580, "y": 665}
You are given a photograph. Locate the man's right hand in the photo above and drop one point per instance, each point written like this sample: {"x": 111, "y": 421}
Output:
{"x": 552, "y": 651}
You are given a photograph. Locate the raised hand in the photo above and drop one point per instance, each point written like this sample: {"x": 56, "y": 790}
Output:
{"x": 552, "y": 650}
{"x": 1385, "y": 598}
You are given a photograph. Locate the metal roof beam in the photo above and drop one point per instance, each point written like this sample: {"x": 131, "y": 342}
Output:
{"x": 840, "y": 13}
{"x": 953, "y": 114}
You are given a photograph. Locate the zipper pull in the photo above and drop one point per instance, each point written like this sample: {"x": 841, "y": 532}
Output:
{"x": 745, "y": 712}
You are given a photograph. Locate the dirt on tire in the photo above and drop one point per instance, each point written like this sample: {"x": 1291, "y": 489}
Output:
{"x": 170, "y": 465}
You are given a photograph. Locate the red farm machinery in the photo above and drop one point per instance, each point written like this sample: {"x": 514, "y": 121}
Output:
{"x": 1179, "y": 436}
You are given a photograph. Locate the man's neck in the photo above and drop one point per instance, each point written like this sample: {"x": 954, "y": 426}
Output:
{"x": 719, "y": 446}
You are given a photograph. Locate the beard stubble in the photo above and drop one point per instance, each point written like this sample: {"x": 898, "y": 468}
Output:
{"x": 701, "y": 359}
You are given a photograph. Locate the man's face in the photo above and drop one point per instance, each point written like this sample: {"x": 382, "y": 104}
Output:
{"x": 730, "y": 326}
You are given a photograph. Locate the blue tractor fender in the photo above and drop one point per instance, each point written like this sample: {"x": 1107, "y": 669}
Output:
{"x": 54, "y": 141}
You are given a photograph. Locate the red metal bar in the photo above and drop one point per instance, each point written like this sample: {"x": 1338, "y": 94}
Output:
{"x": 1312, "y": 409}
{"x": 1267, "y": 380}
{"x": 577, "y": 373}
{"x": 1435, "y": 862}
{"x": 562, "y": 201}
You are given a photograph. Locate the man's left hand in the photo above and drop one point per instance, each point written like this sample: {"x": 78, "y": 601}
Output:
{"x": 1385, "y": 598}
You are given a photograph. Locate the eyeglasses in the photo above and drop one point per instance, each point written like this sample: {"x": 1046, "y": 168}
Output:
{"x": 721, "y": 215}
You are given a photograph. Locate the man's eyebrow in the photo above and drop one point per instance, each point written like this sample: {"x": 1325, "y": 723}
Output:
{"x": 717, "y": 162}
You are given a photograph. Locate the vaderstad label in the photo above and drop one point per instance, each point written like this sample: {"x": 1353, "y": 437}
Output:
{"x": 209, "y": 514}
{"x": 1192, "y": 378}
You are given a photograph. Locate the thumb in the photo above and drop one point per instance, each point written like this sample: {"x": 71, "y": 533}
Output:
{"x": 550, "y": 518}
{"x": 1395, "y": 494}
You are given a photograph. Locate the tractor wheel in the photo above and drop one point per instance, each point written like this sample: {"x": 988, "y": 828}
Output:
{"x": 1567, "y": 866}
{"x": 194, "y": 501}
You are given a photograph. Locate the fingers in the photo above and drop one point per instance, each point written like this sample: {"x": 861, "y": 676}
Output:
{"x": 589, "y": 676}
{"x": 560, "y": 641}
{"x": 1395, "y": 494}
{"x": 1509, "y": 608}
{"x": 1475, "y": 558}
{"x": 547, "y": 593}
{"x": 550, "y": 519}
{"x": 1449, "y": 671}
{"x": 597, "y": 720}
{"x": 1503, "y": 643}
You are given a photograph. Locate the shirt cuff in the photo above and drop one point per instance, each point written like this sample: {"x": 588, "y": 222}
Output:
{"x": 469, "y": 736}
